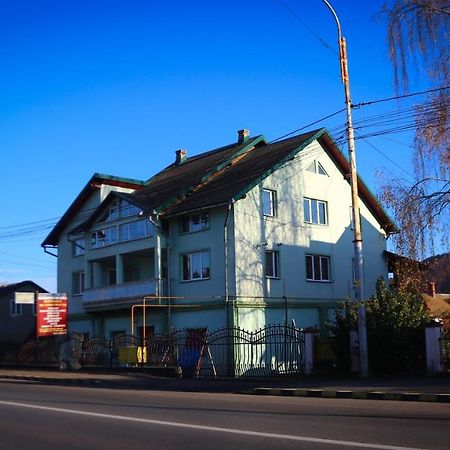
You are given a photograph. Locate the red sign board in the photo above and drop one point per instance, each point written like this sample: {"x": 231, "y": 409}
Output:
{"x": 51, "y": 314}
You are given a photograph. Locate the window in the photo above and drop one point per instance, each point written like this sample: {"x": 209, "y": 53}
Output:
{"x": 272, "y": 263}
{"x": 196, "y": 266}
{"x": 118, "y": 209}
{"x": 134, "y": 230}
{"x": 125, "y": 232}
{"x": 104, "y": 237}
{"x": 317, "y": 168}
{"x": 315, "y": 211}
{"x": 127, "y": 209}
{"x": 78, "y": 283}
{"x": 195, "y": 222}
{"x": 269, "y": 203}
{"x": 317, "y": 268}
{"x": 15, "y": 309}
{"x": 78, "y": 247}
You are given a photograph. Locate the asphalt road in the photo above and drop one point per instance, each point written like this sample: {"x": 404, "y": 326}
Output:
{"x": 35, "y": 416}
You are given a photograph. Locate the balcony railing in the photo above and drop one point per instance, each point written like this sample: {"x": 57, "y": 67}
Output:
{"x": 135, "y": 289}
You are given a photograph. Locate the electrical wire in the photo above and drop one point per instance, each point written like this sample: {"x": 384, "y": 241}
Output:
{"x": 304, "y": 24}
{"x": 397, "y": 97}
{"x": 399, "y": 121}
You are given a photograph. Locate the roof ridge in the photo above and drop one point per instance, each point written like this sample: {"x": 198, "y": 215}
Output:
{"x": 203, "y": 155}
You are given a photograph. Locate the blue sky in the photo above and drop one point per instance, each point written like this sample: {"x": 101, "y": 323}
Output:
{"x": 116, "y": 87}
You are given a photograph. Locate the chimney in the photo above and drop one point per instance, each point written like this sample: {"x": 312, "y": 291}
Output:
{"x": 180, "y": 156}
{"x": 243, "y": 136}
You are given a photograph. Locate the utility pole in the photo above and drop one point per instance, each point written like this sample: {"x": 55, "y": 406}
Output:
{"x": 357, "y": 241}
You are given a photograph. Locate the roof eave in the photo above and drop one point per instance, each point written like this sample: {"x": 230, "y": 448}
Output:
{"x": 93, "y": 184}
{"x": 386, "y": 223}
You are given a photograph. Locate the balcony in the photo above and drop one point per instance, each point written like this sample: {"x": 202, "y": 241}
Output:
{"x": 117, "y": 296}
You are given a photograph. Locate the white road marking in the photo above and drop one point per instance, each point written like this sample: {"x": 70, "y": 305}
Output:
{"x": 208, "y": 428}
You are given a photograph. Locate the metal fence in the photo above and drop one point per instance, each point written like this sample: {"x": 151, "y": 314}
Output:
{"x": 271, "y": 352}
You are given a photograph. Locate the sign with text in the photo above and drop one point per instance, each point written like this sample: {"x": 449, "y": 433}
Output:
{"x": 51, "y": 314}
{"x": 24, "y": 298}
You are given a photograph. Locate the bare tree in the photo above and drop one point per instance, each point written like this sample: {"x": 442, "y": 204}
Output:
{"x": 418, "y": 33}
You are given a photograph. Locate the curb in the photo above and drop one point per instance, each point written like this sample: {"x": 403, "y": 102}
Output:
{"x": 85, "y": 381}
{"x": 358, "y": 395}
{"x": 284, "y": 392}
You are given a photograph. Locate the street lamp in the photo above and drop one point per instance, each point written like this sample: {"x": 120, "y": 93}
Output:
{"x": 357, "y": 241}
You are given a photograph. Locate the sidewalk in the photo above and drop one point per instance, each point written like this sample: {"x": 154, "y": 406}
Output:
{"x": 425, "y": 389}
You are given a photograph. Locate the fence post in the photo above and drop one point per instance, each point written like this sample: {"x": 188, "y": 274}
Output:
{"x": 433, "y": 349}
{"x": 308, "y": 357}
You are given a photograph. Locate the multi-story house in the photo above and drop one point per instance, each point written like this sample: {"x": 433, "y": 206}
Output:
{"x": 249, "y": 234}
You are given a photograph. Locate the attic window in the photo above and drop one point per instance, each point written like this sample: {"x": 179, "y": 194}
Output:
{"x": 317, "y": 168}
{"x": 118, "y": 209}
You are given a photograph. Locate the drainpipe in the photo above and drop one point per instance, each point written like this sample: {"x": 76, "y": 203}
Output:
{"x": 225, "y": 249}
{"x": 169, "y": 290}
{"x": 158, "y": 255}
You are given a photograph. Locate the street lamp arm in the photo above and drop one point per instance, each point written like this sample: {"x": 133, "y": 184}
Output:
{"x": 336, "y": 18}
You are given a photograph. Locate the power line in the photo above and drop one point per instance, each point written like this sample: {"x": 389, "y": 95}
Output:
{"x": 304, "y": 24}
{"x": 307, "y": 126}
{"x": 30, "y": 223}
{"x": 397, "y": 97}
{"x": 387, "y": 157}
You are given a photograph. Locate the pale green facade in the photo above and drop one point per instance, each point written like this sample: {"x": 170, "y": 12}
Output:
{"x": 236, "y": 242}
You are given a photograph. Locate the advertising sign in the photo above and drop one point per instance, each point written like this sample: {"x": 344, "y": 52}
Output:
{"x": 24, "y": 298}
{"x": 51, "y": 314}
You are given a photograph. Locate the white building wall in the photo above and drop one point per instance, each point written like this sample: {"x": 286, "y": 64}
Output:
{"x": 288, "y": 234}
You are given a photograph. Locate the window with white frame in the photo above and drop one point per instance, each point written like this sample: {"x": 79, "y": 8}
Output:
{"x": 119, "y": 208}
{"x": 196, "y": 265}
{"x": 15, "y": 309}
{"x": 78, "y": 280}
{"x": 269, "y": 202}
{"x": 104, "y": 237}
{"x": 272, "y": 264}
{"x": 126, "y": 209}
{"x": 318, "y": 268}
{"x": 78, "y": 247}
{"x": 195, "y": 222}
{"x": 134, "y": 230}
{"x": 315, "y": 211}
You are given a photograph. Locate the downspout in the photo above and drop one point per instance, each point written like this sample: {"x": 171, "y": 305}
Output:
{"x": 156, "y": 223}
{"x": 225, "y": 249}
{"x": 169, "y": 290}
{"x": 158, "y": 252}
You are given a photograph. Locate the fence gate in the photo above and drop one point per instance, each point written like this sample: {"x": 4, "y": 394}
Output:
{"x": 96, "y": 352}
{"x": 272, "y": 352}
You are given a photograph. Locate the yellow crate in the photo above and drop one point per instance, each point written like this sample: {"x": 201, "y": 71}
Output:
{"x": 127, "y": 355}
